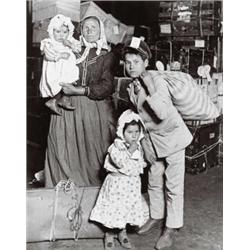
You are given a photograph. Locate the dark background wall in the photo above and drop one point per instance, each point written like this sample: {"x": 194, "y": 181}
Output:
{"x": 132, "y": 12}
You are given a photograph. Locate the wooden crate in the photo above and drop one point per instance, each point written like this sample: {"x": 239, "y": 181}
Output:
{"x": 44, "y": 9}
{"x": 205, "y": 151}
{"x": 201, "y": 21}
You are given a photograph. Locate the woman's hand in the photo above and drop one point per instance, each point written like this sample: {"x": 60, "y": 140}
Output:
{"x": 70, "y": 89}
{"x": 63, "y": 55}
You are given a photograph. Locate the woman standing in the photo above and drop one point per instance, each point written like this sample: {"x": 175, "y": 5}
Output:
{"x": 78, "y": 140}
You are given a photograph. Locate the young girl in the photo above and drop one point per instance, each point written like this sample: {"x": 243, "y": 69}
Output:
{"x": 119, "y": 201}
{"x": 59, "y": 65}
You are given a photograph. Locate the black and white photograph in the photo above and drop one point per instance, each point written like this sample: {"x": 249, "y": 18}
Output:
{"x": 125, "y": 125}
{"x": 124, "y": 141}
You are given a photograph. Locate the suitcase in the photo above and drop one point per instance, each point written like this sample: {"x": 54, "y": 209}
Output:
{"x": 205, "y": 150}
{"x": 63, "y": 213}
{"x": 120, "y": 96}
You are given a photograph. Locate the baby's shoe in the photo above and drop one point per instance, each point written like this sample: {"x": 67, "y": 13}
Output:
{"x": 51, "y": 104}
{"x": 64, "y": 102}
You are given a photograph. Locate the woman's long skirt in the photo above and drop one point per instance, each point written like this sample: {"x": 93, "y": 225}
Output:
{"x": 78, "y": 142}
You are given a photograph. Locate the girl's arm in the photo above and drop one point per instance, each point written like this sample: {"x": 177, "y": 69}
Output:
{"x": 121, "y": 159}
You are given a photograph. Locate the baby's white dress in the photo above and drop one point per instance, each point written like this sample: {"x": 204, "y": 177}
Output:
{"x": 56, "y": 72}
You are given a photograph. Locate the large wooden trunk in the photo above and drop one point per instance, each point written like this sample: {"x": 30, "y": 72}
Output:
{"x": 54, "y": 214}
{"x": 49, "y": 213}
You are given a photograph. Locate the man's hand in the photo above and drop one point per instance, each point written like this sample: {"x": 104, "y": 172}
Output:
{"x": 148, "y": 150}
{"x": 148, "y": 82}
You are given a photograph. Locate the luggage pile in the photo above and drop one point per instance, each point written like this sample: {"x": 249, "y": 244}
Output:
{"x": 114, "y": 29}
{"x": 205, "y": 151}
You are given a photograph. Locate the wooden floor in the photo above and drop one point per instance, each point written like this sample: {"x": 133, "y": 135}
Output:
{"x": 203, "y": 220}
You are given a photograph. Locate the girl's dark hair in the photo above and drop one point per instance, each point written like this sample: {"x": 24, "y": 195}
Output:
{"x": 133, "y": 122}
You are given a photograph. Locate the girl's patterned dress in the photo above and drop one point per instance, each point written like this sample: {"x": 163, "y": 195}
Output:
{"x": 120, "y": 201}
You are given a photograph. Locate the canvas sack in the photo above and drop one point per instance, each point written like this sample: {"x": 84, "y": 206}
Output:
{"x": 189, "y": 99}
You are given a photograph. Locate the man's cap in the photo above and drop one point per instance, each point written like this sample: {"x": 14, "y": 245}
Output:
{"x": 137, "y": 45}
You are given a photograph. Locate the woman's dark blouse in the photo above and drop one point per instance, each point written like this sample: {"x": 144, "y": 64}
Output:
{"x": 100, "y": 74}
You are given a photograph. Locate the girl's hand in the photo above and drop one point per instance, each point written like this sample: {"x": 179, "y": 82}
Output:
{"x": 133, "y": 146}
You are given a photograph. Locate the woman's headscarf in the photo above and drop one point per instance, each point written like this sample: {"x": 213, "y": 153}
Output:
{"x": 99, "y": 44}
{"x": 127, "y": 117}
{"x": 57, "y": 21}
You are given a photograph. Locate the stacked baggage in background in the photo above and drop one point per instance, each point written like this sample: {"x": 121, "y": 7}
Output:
{"x": 40, "y": 31}
{"x": 218, "y": 82}
{"x": 205, "y": 151}
{"x": 214, "y": 89}
{"x": 44, "y": 9}
{"x": 193, "y": 18}
{"x": 120, "y": 97}
{"x": 114, "y": 29}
